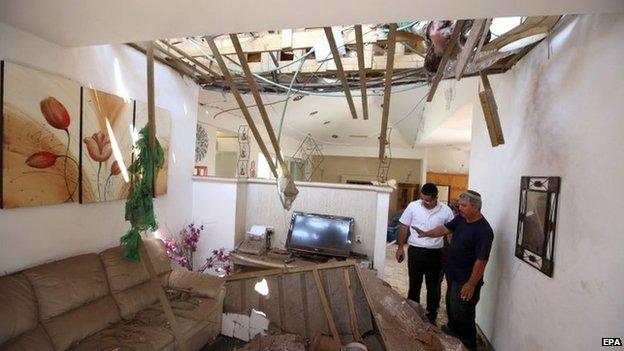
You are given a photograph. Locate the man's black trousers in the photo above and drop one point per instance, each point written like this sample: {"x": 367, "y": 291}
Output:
{"x": 461, "y": 314}
{"x": 428, "y": 263}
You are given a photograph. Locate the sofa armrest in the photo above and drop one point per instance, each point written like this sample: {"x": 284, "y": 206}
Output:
{"x": 196, "y": 283}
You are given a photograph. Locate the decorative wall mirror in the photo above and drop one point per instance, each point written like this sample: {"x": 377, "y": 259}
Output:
{"x": 537, "y": 219}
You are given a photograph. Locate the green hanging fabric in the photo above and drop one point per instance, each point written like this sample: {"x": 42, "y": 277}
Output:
{"x": 140, "y": 205}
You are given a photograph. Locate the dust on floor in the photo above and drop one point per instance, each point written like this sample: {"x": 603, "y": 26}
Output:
{"x": 396, "y": 276}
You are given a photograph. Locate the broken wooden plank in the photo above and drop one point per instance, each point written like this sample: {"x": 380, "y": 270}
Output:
{"x": 251, "y": 82}
{"x": 387, "y": 90}
{"x": 361, "y": 66}
{"x": 191, "y": 59}
{"x": 241, "y": 104}
{"x": 352, "y": 315}
{"x": 490, "y": 112}
{"x": 486, "y": 29}
{"x": 324, "y": 343}
{"x": 445, "y": 59}
{"x": 531, "y": 26}
{"x": 400, "y": 326}
{"x": 182, "y": 66}
{"x": 330, "y": 319}
{"x": 466, "y": 53}
{"x": 340, "y": 71}
{"x": 268, "y": 272}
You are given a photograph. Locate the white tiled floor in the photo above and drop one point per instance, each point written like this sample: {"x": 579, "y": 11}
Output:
{"x": 396, "y": 276}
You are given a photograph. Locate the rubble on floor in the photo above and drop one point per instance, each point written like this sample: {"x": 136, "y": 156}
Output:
{"x": 323, "y": 308}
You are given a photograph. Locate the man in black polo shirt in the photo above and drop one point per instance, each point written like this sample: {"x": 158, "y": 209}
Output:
{"x": 469, "y": 251}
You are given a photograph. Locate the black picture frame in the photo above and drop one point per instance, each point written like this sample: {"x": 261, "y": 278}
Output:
{"x": 537, "y": 221}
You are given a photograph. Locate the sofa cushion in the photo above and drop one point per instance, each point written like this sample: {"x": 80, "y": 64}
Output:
{"x": 134, "y": 299}
{"x": 33, "y": 340}
{"x": 127, "y": 336}
{"x": 122, "y": 273}
{"x": 64, "y": 285}
{"x": 129, "y": 280}
{"x": 192, "y": 306}
{"x": 149, "y": 330}
{"x": 71, "y": 327}
{"x": 196, "y": 283}
{"x": 18, "y": 307}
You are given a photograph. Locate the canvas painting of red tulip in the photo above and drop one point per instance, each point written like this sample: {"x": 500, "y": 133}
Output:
{"x": 40, "y": 138}
{"x": 163, "y": 134}
{"x": 107, "y": 121}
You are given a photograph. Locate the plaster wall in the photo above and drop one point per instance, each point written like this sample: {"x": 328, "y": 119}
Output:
{"x": 35, "y": 235}
{"x": 561, "y": 115}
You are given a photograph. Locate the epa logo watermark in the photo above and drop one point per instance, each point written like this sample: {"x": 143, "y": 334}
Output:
{"x": 611, "y": 342}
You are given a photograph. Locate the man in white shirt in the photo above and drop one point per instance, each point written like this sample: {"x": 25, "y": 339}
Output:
{"x": 424, "y": 253}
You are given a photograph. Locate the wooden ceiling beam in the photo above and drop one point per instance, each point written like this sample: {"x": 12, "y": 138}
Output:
{"x": 445, "y": 59}
{"x": 464, "y": 56}
{"x": 340, "y": 71}
{"x": 531, "y": 26}
{"x": 183, "y": 66}
{"x": 359, "y": 42}
{"x": 387, "y": 91}
{"x": 174, "y": 64}
{"x": 191, "y": 59}
{"x": 234, "y": 90}
{"x": 490, "y": 112}
{"x": 256, "y": 95}
{"x": 486, "y": 29}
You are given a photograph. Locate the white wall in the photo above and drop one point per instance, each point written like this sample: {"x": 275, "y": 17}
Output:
{"x": 242, "y": 203}
{"x": 359, "y": 202}
{"x": 451, "y": 98}
{"x": 448, "y": 159}
{"x": 34, "y": 235}
{"x": 215, "y": 207}
{"x": 561, "y": 116}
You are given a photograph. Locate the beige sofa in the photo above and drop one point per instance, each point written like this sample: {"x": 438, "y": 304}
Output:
{"x": 104, "y": 302}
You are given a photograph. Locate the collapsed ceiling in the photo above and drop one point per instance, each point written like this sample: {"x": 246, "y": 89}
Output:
{"x": 302, "y": 59}
{"x": 337, "y": 60}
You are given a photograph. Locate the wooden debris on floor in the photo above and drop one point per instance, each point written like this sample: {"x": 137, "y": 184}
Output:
{"x": 400, "y": 326}
{"x": 308, "y": 301}
{"x": 325, "y": 343}
{"x": 329, "y": 305}
{"x": 279, "y": 342}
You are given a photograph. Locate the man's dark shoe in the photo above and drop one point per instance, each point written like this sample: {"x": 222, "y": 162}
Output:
{"x": 445, "y": 328}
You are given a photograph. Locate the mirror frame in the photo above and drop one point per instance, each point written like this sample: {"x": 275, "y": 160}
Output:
{"x": 550, "y": 186}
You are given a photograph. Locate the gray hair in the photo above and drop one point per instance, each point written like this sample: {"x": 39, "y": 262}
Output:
{"x": 472, "y": 196}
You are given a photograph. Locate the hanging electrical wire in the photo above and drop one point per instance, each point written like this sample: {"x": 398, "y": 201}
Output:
{"x": 279, "y": 131}
{"x": 286, "y": 88}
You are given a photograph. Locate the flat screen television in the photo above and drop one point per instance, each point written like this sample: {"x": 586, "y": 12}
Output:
{"x": 320, "y": 234}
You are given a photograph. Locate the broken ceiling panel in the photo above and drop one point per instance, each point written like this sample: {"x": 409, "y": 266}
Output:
{"x": 274, "y": 57}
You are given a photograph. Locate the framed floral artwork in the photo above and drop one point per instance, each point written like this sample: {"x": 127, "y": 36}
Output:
{"x": 40, "y": 137}
{"x": 107, "y": 127}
